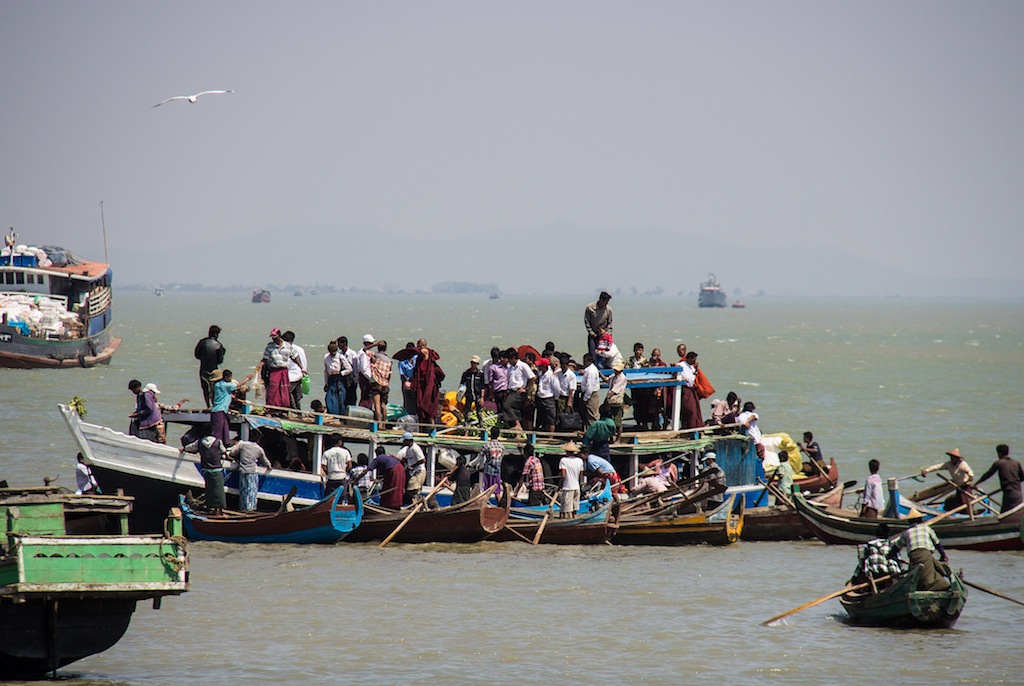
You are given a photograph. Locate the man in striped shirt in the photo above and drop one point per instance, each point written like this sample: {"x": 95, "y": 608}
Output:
{"x": 921, "y": 542}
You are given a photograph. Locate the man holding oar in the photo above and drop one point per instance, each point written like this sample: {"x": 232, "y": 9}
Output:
{"x": 921, "y": 543}
{"x": 962, "y": 476}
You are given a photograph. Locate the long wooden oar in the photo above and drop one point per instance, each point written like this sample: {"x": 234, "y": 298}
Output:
{"x": 830, "y": 596}
{"x": 990, "y": 591}
{"x": 961, "y": 489}
{"x": 823, "y": 472}
{"x": 544, "y": 522}
{"x": 776, "y": 491}
{"x": 415, "y": 509}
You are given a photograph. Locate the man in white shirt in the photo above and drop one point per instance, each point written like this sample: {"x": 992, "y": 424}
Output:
{"x": 362, "y": 370}
{"x": 567, "y": 385}
{"x": 351, "y": 381}
{"x": 590, "y": 387}
{"x": 548, "y": 389}
{"x": 571, "y": 467}
{"x": 336, "y": 462}
{"x": 748, "y": 420}
{"x": 519, "y": 374}
{"x": 415, "y": 462}
{"x": 296, "y": 370}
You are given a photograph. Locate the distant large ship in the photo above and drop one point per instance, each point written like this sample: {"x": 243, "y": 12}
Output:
{"x": 261, "y": 295}
{"x": 711, "y": 293}
{"x": 54, "y": 308}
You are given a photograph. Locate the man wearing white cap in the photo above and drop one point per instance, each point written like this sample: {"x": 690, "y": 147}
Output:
{"x": 415, "y": 462}
{"x": 361, "y": 369}
{"x": 147, "y": 414}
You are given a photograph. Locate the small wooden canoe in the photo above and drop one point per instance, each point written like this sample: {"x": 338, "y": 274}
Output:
{"x": 720, "y": 526}
{"x": 328, "y": 521}
{"x": 468, "y": 522}
{"x": 901, "y": 605}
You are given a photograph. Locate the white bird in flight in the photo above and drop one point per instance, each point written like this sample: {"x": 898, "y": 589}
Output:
{"x": 191, "y": 98}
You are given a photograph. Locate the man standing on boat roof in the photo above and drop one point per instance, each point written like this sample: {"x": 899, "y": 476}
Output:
{"x": 297, "y": 369}
{"x": 597, "y": 318}
{"x": 921, "y": 542}
{"x": 210, "y": 353}
{"x": 961, "y": 475}
{"x": 1010, "y": 476}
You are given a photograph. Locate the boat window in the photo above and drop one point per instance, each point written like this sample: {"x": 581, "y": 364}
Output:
{"x": 41, "y": 278}
{"x": 19, "y": 277}
{"x": 8, "y": 277}
{"x": 31, "y": 278}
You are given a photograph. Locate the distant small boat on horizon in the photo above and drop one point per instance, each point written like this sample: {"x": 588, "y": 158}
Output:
{"x": 739, "y": 305}
{"x": 492, "y": 296}
{"x": 158, "y": 291}
{"x": 261, "y": 295}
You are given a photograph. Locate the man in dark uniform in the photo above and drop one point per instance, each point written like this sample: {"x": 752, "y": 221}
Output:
{"x": 210, "y": 354}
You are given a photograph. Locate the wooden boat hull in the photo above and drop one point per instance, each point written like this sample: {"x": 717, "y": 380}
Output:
{"x": 818, "y": 482}
{"x": 468, "y": 522}
{"x": 591, "y": 528}
{"x": 981, "y": 533}
{"x": 19, "y": 352}
{"x": 84, "y": 627}
{"x": 781, "y": 522}
{"x": 901, "y": 605}
{"x": 326, "y": 522}
{"x": 721, "y": 526}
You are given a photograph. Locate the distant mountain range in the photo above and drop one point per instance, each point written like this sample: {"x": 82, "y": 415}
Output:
{"x": 557, "y": 259}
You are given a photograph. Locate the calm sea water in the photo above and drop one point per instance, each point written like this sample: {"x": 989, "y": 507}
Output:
{"x": 901, "y": 380}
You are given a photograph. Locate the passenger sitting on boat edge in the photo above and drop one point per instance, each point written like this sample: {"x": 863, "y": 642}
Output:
{"x": 336, "y": 461}
{"x": 211, "y": 454}
{"x": 250, "y": 456}
{"x": 84, "y": 478}
{"x": 571, "y": 467}
{"x": 921, "y": 542}
{"x": 148, "y": 421}
{"x": 660, "y": 477}
{"x": 393, "y": 473}
{"x": 784, "y": 475}
{"x": 873, "y": 496}
{"x": 876, "y": 561}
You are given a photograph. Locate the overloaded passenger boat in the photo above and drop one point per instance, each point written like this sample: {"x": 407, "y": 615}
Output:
{"x": 55, "y": 308}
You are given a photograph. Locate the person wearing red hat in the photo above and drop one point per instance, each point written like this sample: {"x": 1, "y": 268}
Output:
{"x": 961, "y": 475}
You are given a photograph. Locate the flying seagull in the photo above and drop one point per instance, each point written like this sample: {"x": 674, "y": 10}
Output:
{"x": 191, "y": 98}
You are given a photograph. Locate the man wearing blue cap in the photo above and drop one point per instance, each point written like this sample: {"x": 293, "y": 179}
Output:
{"x": 412, "y": 457}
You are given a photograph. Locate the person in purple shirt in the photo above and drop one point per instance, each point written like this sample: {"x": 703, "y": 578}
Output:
{"x": 394, "y": 478}
{"x": 148, "y": 422}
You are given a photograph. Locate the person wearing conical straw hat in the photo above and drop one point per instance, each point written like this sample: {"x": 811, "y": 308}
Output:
{"x": 960, "y": 474}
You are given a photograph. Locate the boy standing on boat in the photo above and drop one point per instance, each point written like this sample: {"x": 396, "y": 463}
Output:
{"x": 873, "y": 495}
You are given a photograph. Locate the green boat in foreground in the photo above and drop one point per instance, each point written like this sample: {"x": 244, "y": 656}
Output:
{"x": 901, "y": 605}
{"x": 71, "y": 575}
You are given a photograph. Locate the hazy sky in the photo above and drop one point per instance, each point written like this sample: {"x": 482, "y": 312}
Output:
{"x": 893, "y": 130}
